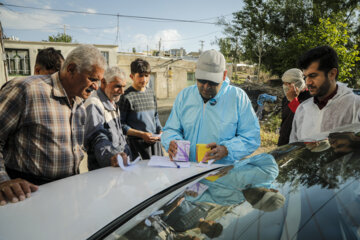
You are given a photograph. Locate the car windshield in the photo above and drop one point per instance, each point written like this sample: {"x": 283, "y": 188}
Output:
{"x": 300, "y": 191}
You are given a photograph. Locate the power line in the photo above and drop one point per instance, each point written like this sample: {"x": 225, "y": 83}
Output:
{"x": 68, "y": 27}
{"x": 91, "y": 28}
{"x": 225, "y": 15}
{"x": 37, "y": 29}
{"x": 110, "y": 14}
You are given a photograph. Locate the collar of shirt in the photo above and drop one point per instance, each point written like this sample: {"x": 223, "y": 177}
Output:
{"x": 321, "y": 104}
{"x": 105, "y": 100}
{"x": 59, "y": 91}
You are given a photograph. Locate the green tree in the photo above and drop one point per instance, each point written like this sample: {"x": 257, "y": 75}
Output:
{"x": 248, "y": 32}
{"x": 230, "y": 49}
{"x": 60, "y": 37}
{"x": 225, "y": 48}
{"x": 333, "y": 32}
{"x": 268, "y": 30}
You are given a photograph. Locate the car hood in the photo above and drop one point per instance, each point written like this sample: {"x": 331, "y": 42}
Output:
{"x": 76, "y": 207}
{"x": 322, "y": 192}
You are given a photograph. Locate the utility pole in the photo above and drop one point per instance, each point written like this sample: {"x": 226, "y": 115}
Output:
{"x": 159, "y": 46}
{"x": 117, "y": 31}
{"x": 65, "y": 32}
{"x": 202, "y": 46}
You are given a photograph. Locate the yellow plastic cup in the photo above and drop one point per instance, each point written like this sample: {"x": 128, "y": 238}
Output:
{"x": 201, "y": 149}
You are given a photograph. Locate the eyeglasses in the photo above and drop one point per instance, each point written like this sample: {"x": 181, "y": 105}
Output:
{"x": 212, "y": 84}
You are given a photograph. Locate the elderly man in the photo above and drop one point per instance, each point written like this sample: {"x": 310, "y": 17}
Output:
{"x": 214, "y": 113}
{"x": 332, "y": 104}
{"x": 104, "y": 136}
{"x": 42, "y": 124}
{"x": 295, "y": 93}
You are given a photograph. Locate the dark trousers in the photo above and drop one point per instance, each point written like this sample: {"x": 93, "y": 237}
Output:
{"x": 145, "y": 150}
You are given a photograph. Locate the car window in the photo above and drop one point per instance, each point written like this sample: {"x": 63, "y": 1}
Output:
{"x": 299, "y": 191}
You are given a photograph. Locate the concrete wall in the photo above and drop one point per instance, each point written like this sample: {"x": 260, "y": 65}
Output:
{"x": 2, "y": 68}
{"x": 65, "y": 49}
{"x": 167, "y": 83}
{"x": 3, "y": 75}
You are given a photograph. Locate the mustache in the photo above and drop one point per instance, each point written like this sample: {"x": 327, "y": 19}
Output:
{"x": 310, "y": 86}
{"x": 90, "y": 89}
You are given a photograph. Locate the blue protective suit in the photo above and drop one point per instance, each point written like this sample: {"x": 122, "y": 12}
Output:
{"x": 227, "y": 119}
{"x": 258, "y": 171}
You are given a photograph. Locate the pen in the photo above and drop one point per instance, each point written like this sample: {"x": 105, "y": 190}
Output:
{"x": 177, "y": 165}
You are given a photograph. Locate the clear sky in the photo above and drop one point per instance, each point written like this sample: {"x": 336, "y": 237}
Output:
{"x": 37, "y": 25}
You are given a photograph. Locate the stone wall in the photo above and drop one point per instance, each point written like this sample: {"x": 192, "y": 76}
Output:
{"x": 170, "y": 74}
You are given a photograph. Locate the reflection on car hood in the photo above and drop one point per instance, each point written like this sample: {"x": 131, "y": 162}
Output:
{"x": 300, "y": 191}
{"x": 320, "y": 181}
{"x": 78, "y": 206}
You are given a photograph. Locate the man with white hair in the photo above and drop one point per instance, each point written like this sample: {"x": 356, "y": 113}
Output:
{"x": 213, "y": 112}
{"x": 295, "y": 93}
{"x": 104, "y": 136}
{"x": 42, "y": 124}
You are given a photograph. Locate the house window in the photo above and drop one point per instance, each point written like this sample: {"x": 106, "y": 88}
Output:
{"x": 18, "y": 61}
{"x": 190, "y": 78}
{"x": 106, "y": 56}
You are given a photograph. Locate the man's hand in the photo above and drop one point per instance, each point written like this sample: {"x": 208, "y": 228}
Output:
{"x": 172, "y": 149}
{"x": 217, "y": 152}
{"x": 149, "y": 138}
{"x": 292, "y": 93}
{"x": 114, "y": 161}
{"x": 15, "y": 190}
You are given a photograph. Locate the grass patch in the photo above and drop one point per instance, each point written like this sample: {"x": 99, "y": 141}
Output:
{"x": 268, "y": 139}
{"x": 269, "y": 132}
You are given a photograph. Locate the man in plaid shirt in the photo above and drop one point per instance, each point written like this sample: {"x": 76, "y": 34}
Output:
{"x": 42, "y": 124}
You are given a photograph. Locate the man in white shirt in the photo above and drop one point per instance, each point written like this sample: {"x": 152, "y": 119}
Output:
{"x": 332, "y": 104}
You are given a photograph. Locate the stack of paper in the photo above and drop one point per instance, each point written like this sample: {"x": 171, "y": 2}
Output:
{"x": 159, "y": 161}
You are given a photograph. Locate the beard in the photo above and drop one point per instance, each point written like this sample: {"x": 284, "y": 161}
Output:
{"x": 116, "y": 98}
{"x": 321, "y": 90}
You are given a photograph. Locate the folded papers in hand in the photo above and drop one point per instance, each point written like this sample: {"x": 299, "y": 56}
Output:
{"x": 130, "y": 164}
{"x": 183, "y": 151}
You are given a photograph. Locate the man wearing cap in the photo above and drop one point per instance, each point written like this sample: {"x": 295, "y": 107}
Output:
{"x": 332, "y": 105}
{"x": 295, "y": 93}
{"x": 214, "y": 113}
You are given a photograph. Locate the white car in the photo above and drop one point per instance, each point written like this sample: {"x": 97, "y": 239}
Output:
{"x": 305, "y": 190}
{"x": 77, "y": 207}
